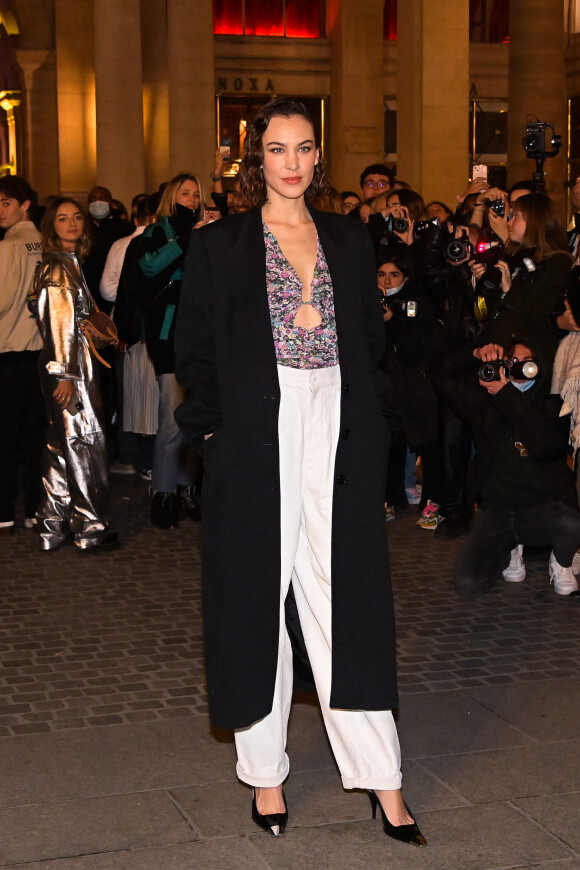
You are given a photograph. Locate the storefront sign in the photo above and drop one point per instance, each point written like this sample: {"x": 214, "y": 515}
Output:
{"x": 246, "y": 84}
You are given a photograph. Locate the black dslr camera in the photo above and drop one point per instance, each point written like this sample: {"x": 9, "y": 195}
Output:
{"x": 497, "y": 205}
{"x": 519, "y": 371}
{"x": 457, "y": 250}
{"x": 396, "y": 224}
{"x": 399, "y": 306}
{"x": 534, "y": 141}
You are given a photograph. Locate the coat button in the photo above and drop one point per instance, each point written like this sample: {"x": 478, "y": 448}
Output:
{"x": 341, "y": 478}
{"x": 346, "y": 434}
{"x": 345, "y": 388}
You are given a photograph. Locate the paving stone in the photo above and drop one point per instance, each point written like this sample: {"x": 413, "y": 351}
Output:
{"x": 231, "y": 854}
{"x": 508, "y": 774}
{"x": 98, "y": 761}
{"x": 448, "y": 722}
{"x": 559, "y": 814}
{"x": 550, "y": 712}
{"x": 106, "y": 824}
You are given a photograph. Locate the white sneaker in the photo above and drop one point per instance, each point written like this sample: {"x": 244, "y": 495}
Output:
{"x": 516, "y": 570}
{"x": 562, "y": 578}
{"x": 576, "y": 563}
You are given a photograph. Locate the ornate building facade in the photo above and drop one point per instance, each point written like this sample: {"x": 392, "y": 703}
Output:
{"x": 128, "y": 93}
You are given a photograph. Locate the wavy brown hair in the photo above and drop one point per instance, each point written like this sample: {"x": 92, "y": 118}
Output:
{"x": 544, "y": 232}
{"x": 50, "y": 239}
{"x": 252, "y": 182}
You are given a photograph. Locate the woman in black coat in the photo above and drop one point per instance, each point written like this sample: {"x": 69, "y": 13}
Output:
{"x": 278, "y": 338}
{"x": 533, "y": 278}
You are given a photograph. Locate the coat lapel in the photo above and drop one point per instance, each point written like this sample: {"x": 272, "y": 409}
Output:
{"x": 246, "y": 269}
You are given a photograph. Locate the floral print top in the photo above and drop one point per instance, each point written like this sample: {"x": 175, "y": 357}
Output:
{"x": 297, "y": 347}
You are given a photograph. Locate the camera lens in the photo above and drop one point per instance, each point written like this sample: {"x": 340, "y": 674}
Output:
{"x": 456, "y": 250}
{"x": 488, "y": 372}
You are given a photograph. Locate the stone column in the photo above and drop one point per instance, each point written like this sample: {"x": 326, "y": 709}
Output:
{"x": 155, "y": 92}
{"x": 192, "y": 136}
{"x": 119, "y": 98}
{"x": 40, "y": 105}
{"x": 75, "y": 80}
{"x": 537, "y": 87}
{"x": 355, "y": 30}
{"x": 433, "y": 97}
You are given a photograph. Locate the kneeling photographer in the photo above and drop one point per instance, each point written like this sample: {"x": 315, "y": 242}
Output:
{"x": 520, "y": 479}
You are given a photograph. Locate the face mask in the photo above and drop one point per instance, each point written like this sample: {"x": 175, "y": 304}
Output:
{"x": 523, "y": 387}
{"x": 99, "y": 209}
{"x": 393, "y": 290}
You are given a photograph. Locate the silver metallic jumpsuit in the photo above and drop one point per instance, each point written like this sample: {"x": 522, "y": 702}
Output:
{"x": 75, "y": 475}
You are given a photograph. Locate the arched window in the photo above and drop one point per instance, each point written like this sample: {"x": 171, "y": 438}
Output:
{"x": 292, "y": 18}
{"x": 390, "y": 20}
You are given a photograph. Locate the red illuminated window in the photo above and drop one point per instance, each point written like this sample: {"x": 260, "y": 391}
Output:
{"x": 489, "y": 21}
{"x": 294, "y": 18}
{"x": 390, "y": 20}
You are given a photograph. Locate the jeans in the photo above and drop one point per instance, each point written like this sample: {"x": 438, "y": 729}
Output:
{"x": 170, "y": 452}
{"x": 495, "y": 533}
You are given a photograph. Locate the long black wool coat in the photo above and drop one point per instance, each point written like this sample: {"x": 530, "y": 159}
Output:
{"x": 226, "y": 360}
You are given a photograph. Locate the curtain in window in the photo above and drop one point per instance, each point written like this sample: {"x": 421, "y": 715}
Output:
{"x": 304, "y": 18}
{"x": 390, "y": 19}
{"x": 227, "y": 16}
{"x": 264, "y": 18}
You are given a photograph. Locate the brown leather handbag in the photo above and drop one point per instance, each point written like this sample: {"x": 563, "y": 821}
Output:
{"x": 100, "y": 331}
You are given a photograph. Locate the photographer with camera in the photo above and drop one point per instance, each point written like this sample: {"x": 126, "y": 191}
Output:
{"x": 520, "y": 479}
{"x": 410, "y": 327}
{"x": 534, "y": 276}
{"x": 394, "y": 215}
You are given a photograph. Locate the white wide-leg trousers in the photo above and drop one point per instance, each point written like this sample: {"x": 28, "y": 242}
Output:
{"x": 364, "y": 743}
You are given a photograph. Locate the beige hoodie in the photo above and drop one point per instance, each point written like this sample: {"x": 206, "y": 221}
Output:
{"x": 20, "y": 252}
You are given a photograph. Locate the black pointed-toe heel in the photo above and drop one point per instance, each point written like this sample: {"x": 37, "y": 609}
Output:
{"x": 273, "y": 824}
{"x": 405, "y": 833}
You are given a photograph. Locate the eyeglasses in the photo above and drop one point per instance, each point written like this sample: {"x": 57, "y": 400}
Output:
{"x": 377, "y": 185}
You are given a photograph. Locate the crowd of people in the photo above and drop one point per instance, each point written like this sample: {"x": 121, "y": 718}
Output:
{"x": 263, "y": 358}
{"x": 480, "y": 281}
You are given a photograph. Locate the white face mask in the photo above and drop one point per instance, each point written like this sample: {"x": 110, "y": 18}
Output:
{"x": 393, "y": 290}
{"x": 524, "y": 386}
{"x": 99, "y": 209}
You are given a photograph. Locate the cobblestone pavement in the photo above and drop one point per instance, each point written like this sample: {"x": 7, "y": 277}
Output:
{"x": 111, "y": 638}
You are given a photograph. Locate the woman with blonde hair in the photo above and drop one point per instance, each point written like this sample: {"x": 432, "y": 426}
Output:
{"x": 164, "y": 246}
{"x": 74, "y": 473}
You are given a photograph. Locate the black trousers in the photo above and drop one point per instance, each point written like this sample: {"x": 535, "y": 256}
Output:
{"x": 22, "y": 431}
{"x": 495, "y": 533}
